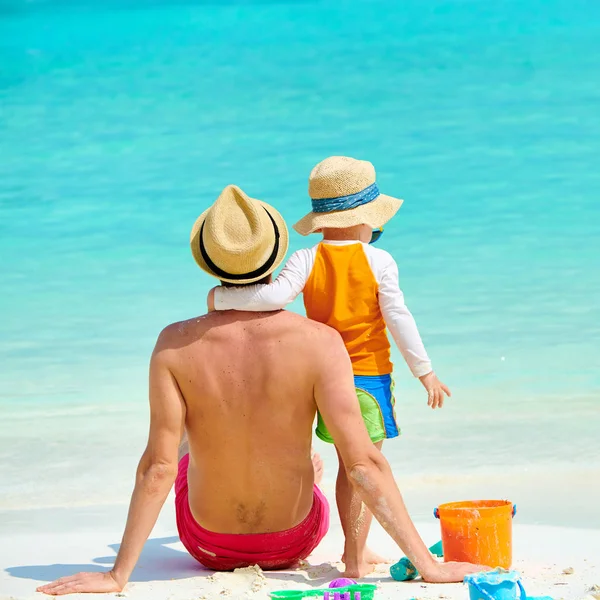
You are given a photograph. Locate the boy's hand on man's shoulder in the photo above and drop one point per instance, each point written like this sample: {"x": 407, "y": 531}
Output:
{"x": 435, "y": 390}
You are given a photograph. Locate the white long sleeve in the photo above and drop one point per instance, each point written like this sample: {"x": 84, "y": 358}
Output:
{"x": 399, "y": 320}
{"x": 272, "y": 296}
{"x": 292, "y": 279}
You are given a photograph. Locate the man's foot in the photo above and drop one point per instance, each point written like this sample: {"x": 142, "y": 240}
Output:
{"x": 317, "y": 462}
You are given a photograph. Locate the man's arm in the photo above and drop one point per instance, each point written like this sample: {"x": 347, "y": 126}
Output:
{"x": 367, "y": 468}
{"x": 273, "y": 296}
{"x": 155, "y": 476}
{"x": 403, "y": 328}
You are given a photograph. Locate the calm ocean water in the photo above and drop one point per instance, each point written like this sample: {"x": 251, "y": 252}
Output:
{"x": 121, "y": 121}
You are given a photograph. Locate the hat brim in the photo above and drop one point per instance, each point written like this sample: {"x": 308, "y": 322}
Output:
{"x": 283, "y": 245}
{"x": 375, "y": 214}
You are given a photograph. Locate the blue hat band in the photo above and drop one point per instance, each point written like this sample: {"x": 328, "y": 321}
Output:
{"x": 325, "y": 205}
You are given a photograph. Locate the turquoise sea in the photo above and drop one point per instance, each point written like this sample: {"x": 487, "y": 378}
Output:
{"x": 121, "y": 121}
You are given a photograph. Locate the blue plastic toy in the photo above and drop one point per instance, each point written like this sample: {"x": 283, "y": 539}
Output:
{"x": 404, "y": 570}
{"x": 498, "y": 585}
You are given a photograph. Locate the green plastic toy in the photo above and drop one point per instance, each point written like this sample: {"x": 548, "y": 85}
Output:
{"x": 364, "y": 591}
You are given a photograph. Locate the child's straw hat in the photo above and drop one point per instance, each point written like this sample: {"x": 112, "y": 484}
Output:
{"x": 344, "y": 194}
{"x": 239, "y": 239}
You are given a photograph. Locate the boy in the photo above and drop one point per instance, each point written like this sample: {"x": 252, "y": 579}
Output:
{"x": 352, "y": 287}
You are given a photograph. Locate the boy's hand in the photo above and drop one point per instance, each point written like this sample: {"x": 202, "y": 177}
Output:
{"x": 210, "y": 300}
{"x": 435, "y": 390}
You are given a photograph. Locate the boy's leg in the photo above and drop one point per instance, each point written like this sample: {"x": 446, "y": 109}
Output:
{"x": 184, "y": 447}
{"x": 356, "y": 521}
{"x": 376, "y": 401}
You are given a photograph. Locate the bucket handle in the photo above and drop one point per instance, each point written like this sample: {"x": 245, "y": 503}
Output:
{"x": 488, "y": 596}
{"x": 436, "y": 511}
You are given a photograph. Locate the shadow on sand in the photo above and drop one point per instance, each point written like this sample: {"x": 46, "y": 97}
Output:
{"x": 158, "y": 562}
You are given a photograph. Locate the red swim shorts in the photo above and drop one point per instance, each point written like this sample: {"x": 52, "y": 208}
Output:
{"x": 225, "y": 552}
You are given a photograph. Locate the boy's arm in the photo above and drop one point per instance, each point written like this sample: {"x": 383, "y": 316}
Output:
{"x": 272, "y": 296}
{"x": 403, "y": 328}
{"x": 400, "y": 321}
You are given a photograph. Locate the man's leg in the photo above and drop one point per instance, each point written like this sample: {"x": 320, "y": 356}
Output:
{"x": 356, "y": 521}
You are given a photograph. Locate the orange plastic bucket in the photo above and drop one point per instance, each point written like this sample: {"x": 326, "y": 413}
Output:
{"x": 478, "y": 531}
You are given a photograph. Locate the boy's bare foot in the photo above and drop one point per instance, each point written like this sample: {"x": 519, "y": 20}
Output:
{"x": 375, "y": 559}
{"x": 317, "y": 462}
{"x": 371, "y": 558}
{"x": 355, "y": 569}
{"x": 451, "y": 572}
{"x": 358, "y": 570}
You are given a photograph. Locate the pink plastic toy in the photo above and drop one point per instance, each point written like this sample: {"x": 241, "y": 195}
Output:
{"x": 342, "y": 582}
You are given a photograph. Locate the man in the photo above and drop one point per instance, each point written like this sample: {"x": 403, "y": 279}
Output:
{"x": 245, "y": 388}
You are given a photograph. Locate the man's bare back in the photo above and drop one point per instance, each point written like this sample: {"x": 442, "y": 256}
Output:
{"x": 246, "y": 380}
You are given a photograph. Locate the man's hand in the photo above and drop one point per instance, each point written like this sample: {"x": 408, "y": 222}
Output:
{"x": 435, "y": 390}
{"x": 210, "y": 300}
{"x": 450, "y": 572}
{"x": 83, "y": 583}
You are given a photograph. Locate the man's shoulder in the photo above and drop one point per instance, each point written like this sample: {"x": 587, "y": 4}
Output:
{"x": 176, "y": 334}
{"x": 179, "y": 334}
{"x": 309, "y": 329}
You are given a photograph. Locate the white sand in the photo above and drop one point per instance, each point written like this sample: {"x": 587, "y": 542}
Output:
{"x": 167, "y": 572}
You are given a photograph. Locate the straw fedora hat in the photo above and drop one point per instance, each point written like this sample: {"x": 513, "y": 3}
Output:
{"x": 344, "y": 194}
{"x": 239, "y": 239}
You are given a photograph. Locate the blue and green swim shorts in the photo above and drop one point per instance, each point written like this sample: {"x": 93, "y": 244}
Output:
{"x": 375, "y": 395}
